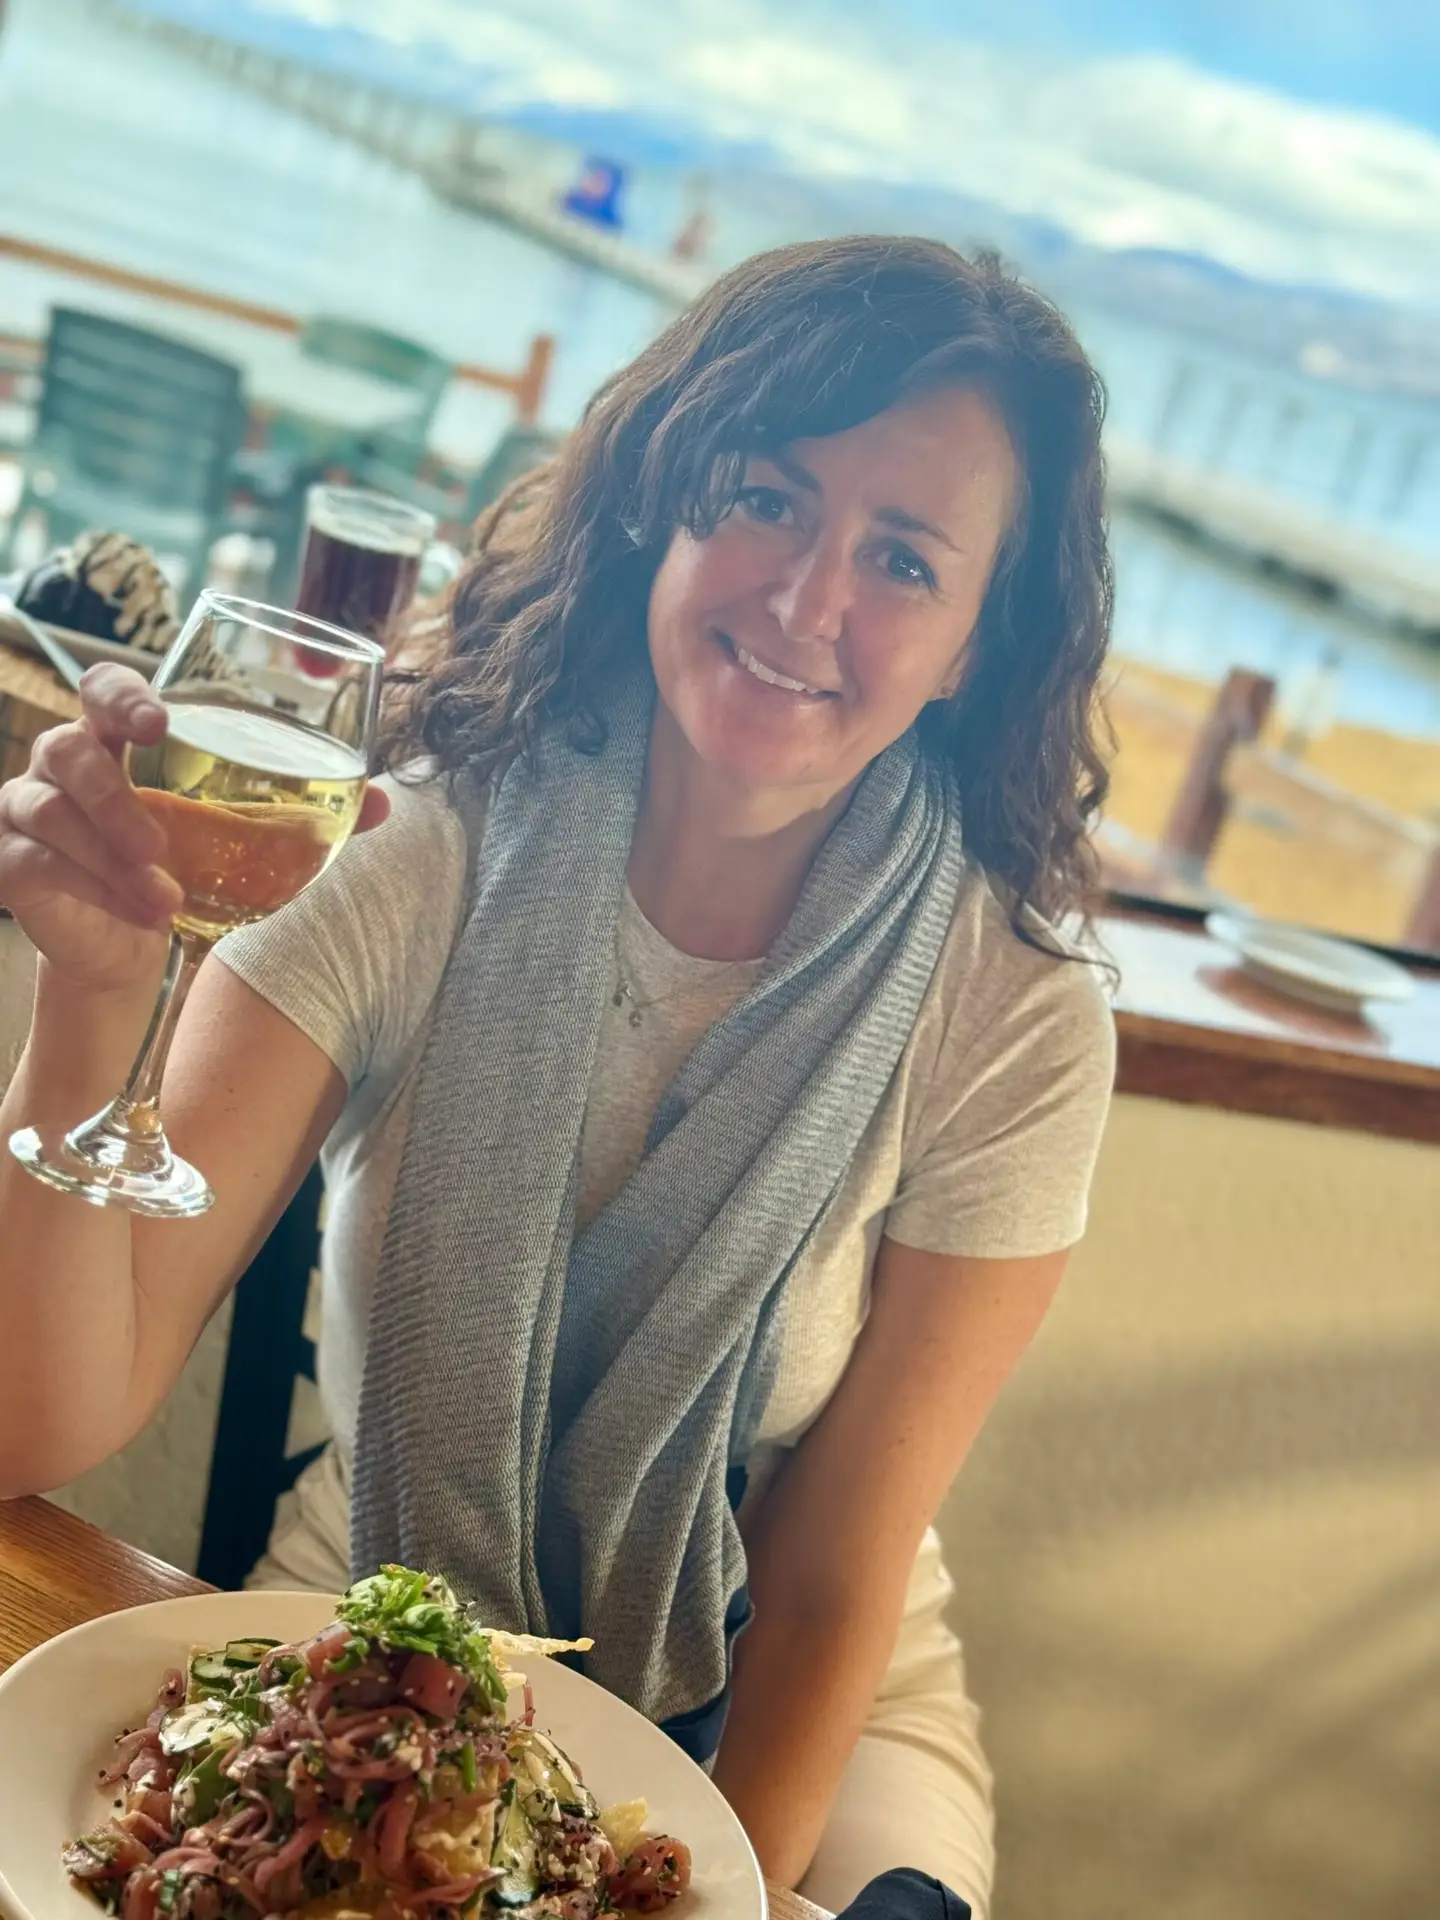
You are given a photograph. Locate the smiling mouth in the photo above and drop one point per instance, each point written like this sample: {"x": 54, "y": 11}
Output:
{"x": 770, "y": 675}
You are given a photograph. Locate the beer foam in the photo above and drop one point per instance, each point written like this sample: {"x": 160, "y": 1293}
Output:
{"x": 357, "y": 522}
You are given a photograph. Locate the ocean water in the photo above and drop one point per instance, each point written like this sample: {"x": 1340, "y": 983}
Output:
{"x": 115, "y": 147}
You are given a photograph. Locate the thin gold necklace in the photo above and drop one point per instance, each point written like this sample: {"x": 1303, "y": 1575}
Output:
{"x": 625, "y": 995}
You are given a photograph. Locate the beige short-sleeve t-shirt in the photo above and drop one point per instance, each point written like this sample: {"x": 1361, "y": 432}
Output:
{"x": 983, "y": 1144}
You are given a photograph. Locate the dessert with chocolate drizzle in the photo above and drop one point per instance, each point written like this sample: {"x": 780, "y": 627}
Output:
{"x": 107, "y": 586}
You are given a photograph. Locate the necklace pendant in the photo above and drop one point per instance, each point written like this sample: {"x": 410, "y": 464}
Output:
{"x": 618, "y": 999}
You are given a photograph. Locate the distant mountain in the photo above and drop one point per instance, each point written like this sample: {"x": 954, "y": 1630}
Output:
{"x": 1348, "y": 337}
{"x": 1332, "y": 333}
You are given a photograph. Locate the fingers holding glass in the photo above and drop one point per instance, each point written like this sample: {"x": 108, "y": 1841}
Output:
{"x": 246, "y": 775}
{"x": 49, "y": 844}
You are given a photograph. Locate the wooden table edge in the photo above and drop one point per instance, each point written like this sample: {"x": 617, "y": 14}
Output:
{"x": 1295, "y": 1056}
{"x": 1166, "y": 1055}
{"x": 50, "y": 1557}
{"x": 1159, "y": 1060}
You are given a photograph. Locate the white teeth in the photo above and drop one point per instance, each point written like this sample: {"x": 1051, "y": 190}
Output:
{"x": 770, "y": 676}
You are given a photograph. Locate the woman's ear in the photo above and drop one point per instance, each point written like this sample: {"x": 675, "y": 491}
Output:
{"x": 950, "y": 685}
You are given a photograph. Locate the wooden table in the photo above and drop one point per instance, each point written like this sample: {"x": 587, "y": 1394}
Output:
{"x": 33, "y": 697}
{"x": 1193, "y": 1027}
{"x": 56, "y": 1572}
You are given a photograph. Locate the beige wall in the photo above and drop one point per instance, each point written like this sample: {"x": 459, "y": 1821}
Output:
{"x": 1198, "y": 1548}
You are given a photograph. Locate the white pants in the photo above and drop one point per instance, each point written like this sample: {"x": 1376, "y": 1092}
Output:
{"x": 917, "y": 1790}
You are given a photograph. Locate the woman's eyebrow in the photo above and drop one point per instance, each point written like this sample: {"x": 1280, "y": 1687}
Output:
{"x": 898, "y": 518}
{"x": 793, "y": 471}
{"x": 904, "y": 522}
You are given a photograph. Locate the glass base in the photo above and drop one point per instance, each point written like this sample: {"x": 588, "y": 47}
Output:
{"x": 98, "y": 1163}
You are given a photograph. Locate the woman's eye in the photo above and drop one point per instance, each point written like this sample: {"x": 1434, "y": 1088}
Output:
{"x": 766, "y": 504}
{"x": 905, "y": 565}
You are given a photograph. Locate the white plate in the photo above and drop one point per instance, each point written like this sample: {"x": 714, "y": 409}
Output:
{"x": 1328, "y": 973}
{"x": 62, "y": 1706}
{"x": 86, "y": 649}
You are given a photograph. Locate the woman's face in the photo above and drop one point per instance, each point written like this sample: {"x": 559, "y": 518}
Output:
{"x": 804, "y": 635}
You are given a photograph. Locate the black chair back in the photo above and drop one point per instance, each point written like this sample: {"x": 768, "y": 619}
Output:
{"x": 269, "y": 1351}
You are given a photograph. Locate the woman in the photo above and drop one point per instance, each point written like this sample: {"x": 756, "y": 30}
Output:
{"x": 708, "y": 1101}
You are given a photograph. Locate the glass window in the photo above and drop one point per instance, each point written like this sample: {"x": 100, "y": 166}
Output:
{"x": 1240, "y": 207}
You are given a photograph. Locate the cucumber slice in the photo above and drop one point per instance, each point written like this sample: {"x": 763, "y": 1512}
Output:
{"x": 202, "y": 1723}
{"x": 247, "y": 1653}
{"x": 511, "y": 1892}
{"x": 200, "y": 1791}
{"x": 514, "y": 1854}
{"x": 546, "y": 1778}
{"x": 209, "y": 1670}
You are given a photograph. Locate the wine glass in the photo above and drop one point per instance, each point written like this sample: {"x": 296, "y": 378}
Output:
{"x": 257, "y": 785}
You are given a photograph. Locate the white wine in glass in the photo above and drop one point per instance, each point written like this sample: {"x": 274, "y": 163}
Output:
{"x": 253, "y": 807}
{"x": 257, "y": 783}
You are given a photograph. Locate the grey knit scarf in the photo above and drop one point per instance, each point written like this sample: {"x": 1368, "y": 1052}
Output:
{"x": 559, "y": 1421}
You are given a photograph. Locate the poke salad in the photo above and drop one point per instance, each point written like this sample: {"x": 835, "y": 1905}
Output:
{"x": 376, "y": 1771}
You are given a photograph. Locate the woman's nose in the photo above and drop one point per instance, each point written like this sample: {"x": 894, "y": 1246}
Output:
{"x": 814, "y": 593}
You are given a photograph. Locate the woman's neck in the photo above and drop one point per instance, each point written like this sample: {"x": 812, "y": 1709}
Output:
{"x": 717, "y": 867}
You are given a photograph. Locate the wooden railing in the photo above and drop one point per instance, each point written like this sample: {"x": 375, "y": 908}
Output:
{"x": 1320, "y": 807}
{"x": 1226, "y": 765}
{"x": 526, "y": 388}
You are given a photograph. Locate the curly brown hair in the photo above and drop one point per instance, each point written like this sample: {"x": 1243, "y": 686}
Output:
{"x": 798, "y": 343}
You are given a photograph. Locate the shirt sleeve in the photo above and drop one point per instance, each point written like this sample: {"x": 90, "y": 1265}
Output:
{"x": 354, "y": 961}
{"x": 1010, "y": 1122}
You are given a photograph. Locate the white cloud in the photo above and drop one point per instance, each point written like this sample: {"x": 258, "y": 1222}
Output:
{"x": 1141, "y": 151}
{"x": 1165, "y": 123}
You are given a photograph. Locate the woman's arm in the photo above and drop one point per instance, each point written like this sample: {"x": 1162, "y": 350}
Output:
{"x": 99, "y": 1309}
{"x": 836, "y": 1537}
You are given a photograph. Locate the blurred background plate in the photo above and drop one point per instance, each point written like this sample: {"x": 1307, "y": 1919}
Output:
{"x": 1328, "y": 973}
{"x": 86, "y": 649}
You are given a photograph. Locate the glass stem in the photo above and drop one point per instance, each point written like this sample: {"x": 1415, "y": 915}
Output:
{"x": 136, "y": 1110}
